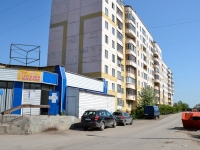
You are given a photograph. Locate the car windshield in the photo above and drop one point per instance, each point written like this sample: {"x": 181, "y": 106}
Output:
{"x": 117, "y": 114}
{"x": 89, "y": 113}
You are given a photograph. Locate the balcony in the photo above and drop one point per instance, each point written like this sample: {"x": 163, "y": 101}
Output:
{"x": 131, "y": 63}
{"x": 130, "y": 30}
{"x": 120, "y": 14}
{"x": 131, "y": 52}
{"x": 156, "y": 73}
{"x": 120, "y": 3}
{"x": 156, "y": 64}
{"x": 156, "y": 87}
{"x": 156, "y": 59}
{"x": 169, "y": 89}
{"x": 156, "y": 80}
{"x": 129, "y": 74}
{"x": 130, "y": 85}
{"x": 131, "y": 97}
{"x": 120, "y": 55}
{"x": 132, "y": 41}
{"x": 156, "y": 52}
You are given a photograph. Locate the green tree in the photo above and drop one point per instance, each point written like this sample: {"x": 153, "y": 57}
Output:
{"x": 197, "y": 106}
{"x": 147, "y": 96}
{"x": 180, "y": 106}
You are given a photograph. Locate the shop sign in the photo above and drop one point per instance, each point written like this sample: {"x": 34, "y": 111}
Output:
{"x": 29, "y": 76}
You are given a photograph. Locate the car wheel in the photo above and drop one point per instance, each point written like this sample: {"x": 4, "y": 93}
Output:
{"x": 114, "y": 124}
{"x": 158, "y": 117}
{"x": 124, "y": 123}
{"x": 155, "y": 117}
{"x": 102, "y": 126}
{"x": 131, "y": 122}
{"x": 85, "y": 128}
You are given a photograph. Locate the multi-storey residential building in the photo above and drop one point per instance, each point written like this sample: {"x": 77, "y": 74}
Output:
{"x": 105, "y": 39}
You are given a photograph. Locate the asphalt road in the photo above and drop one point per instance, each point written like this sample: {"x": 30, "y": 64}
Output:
{"x": 166, "y": 134}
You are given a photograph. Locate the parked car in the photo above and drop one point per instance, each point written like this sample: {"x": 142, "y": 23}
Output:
{"x": 151, "y": 112}
{"x": 123, "y": 118}
{"x": 98, "y": 119}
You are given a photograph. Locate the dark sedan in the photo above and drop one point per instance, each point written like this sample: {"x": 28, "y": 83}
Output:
{"x": 123, "y": 118}
{"x": 98, "y": 119}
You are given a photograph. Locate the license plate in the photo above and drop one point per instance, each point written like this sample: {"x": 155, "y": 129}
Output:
{"x": 145, "y": 114}
{"x": 87, "y": 119}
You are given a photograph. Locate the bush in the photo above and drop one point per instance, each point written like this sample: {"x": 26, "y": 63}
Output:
{"x": 139, "y": 112}
{"x": 133, "y": 113}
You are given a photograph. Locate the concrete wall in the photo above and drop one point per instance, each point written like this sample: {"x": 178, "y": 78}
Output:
{"x": 35, "y": 124}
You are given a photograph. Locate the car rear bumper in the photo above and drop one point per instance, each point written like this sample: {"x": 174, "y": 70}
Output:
{"x": 119, "y": 121}
{"x": 90, "y": 124}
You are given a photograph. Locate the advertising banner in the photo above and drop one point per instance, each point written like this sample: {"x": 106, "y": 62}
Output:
{"x": 29, "y": 76}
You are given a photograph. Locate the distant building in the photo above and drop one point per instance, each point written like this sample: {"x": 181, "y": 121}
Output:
{"x": 105, "y": 39}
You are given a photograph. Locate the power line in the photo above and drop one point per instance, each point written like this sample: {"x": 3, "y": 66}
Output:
{"x": 12, "y": 6}
{"x": 24, "y": 22}
{"x": 181, "y": 42}
{"x": 188, "y": 90}
{"x": 174, "y": 24}
{"x": 39, "y": 1}
{"x": 172, "y": 21}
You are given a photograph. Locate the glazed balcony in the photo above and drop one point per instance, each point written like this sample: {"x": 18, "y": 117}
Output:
{"x": 130, "y": 85}
{"x": 131, "y": 63}
{"x": 131, "y": 97}
{"x": 131, "y": 30}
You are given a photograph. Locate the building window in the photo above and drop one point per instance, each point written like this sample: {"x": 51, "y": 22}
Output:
{"x": 145, "y": 76}
{"x": 113, "y": 58}
{"x": 113, "y": 72}
{"x": 106, "y": 54}
{"x": 119, "y": 76}
{"x": 107, "y": 83}
{"x": 130, "y": 16}
{"x": 130, "y": 80}
{"x": 119, "y": 12}
{"x": 131, "y": 27}
{"x": 130, "y": 91}
{"x": 122, "y": 90}
{"x": 119, "y": 89}
{"x": 113, "y": 18}
{"x": 113, "y": 86}
{"x": 113, "y": 44}
{"x": 122, "y": 79}
{"x": 119, "y": 36}
{"x": 120, "y": 102}
{"x": 106, "y": 39}
{"x": 138, "y": 72}
{"x": 131, "y": 47}
{"x": 130, "y": 69}
{"x": 106, "y": 11}
{"x": 106, "y": 1}
{"x": 122, "y": 67}
{"x": 106, "y": 69}
{"x": 139, "y": 83}
{"x": 119, "y": 48}
{"x": 131, "y": 58}
{"x": 113, "y": 31}
{"x": 106, "y": 24}
{"x": 113, "y": 6}
{"x": 119, "y": 62}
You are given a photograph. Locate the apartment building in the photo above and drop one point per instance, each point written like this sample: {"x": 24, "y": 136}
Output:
{"x": 105, "y": 39}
